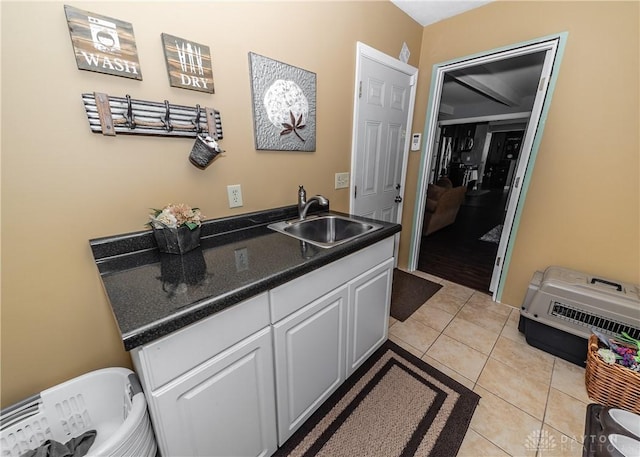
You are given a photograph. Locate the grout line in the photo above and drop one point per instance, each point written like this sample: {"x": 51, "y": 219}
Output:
{"x": 546, "y": 403}
{"x": 514, "y": 406}
{"x": 491, "y": 352}
{"x": 475, "y": 383}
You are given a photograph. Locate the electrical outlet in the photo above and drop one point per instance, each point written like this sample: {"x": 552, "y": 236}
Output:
{"x": 234, "y": 193}
{"x": 342, "y": 180}
{"x": 242, "y": 259}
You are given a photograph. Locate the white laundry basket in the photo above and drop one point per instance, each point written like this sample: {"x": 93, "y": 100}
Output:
{"x": 109, "y": 401}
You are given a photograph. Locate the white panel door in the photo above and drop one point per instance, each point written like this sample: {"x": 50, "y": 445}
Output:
{"x": 225, "y": 407}
{"x": 383, "y": 108}
{"x": 310, "y": 359}
{"x": 368, "y": 313}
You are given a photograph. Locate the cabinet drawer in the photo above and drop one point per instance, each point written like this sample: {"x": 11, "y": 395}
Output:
{"x": 293, "y": 295}
{"x": 175, "y": 354}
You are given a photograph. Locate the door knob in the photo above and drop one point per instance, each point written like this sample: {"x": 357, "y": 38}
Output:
{"x": 398, "y": 199}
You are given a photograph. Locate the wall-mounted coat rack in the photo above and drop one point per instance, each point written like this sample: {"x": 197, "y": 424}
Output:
{"x": 110, "y": 115}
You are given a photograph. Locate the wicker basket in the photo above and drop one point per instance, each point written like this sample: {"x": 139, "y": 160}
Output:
{"x": 611, "y": 384}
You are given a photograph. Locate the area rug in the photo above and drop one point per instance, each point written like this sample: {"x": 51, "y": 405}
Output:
{"x": 409, "y": 292}
{"x": 394, "y": 405}
{"x": 493, "y": 235}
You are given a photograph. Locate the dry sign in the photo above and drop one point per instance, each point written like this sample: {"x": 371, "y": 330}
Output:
{"x": 103, "y": 44}
{"x": 188, "y": 64}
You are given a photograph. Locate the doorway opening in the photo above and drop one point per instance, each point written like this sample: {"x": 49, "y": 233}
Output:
{"x": 464, "y": 251}
{"x": 488, "y": 148}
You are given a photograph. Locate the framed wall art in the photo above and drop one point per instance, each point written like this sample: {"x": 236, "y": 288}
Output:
{"x": 103, "y": 44}
{"x": 188, "y": 64}
{"x": 284, "y": 105}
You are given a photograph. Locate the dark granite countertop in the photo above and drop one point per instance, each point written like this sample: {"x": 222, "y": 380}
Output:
{"x": 153, "y": 294}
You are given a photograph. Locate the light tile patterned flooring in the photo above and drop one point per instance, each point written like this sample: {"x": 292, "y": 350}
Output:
{"x": 533, "y": 404}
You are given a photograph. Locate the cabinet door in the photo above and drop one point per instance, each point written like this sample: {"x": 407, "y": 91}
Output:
{"x": 310, "y": 349}
{"x": 224, "y": 407}
{"x": 368, "y": 314}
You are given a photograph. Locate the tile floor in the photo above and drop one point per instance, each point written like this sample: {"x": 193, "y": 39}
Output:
{"x": 533, "y": 404}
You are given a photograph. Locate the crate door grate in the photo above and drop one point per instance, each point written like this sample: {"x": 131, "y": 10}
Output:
{"x": 592, "y": 320}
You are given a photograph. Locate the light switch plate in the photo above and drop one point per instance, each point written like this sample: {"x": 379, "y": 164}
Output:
{"x": 342, "y": 180}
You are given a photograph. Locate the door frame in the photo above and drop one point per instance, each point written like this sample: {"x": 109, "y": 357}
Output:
{"x": 365, "y": 51}
{"x": 557, "y": 43}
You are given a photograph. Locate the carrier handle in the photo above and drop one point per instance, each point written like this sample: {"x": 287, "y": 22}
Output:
{"x": 608, "y": 283}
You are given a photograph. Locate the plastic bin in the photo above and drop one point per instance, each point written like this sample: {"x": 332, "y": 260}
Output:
{"x": 109, "y": 401}
{"x": 562, "y": 306}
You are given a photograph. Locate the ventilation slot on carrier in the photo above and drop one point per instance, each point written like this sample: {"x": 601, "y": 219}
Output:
{"x": 581, "y": 317}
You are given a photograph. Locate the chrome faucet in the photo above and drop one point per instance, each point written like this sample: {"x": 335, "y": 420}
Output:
{"x": 304, "y": 204}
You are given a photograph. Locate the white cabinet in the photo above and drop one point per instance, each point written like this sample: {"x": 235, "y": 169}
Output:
{"x": 210, "y": 386}
{"x": 310, "y": 364}
{"x": 241, "y": 381}
{"x": 326, "y": 323}
{"x": 225, "y": 407}
{"x": 368, "y": 313}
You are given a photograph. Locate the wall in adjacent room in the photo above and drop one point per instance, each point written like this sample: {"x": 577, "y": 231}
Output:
{"x": 582, "y": 209}
{"x": 63, "y": 185}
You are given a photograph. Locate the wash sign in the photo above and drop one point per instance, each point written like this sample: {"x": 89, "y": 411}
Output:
{"x": 188, "y": 64}
{"x": 103, "y": 44}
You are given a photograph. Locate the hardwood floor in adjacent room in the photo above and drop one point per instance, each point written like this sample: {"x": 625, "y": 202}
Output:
{"x": 456, "y": 253}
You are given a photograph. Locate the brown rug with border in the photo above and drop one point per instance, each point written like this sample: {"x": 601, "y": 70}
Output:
{"x": 394, "y": 405}
{"x": 409, "y": 292}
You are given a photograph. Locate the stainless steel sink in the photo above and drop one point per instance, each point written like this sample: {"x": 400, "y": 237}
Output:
{"x": 325, "y": 231}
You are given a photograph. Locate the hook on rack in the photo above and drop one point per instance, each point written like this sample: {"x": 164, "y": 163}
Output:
{"x": 167, "y": 117}
{"x": 131, "y": 122}
{"x": 196, "y": 122}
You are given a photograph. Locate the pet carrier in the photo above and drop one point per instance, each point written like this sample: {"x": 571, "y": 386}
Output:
{"x": 562, "y": 306}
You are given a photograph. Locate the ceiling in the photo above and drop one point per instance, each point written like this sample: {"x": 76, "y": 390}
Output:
{"x": 426, "y": 12}
{"x": 501, "y": 87}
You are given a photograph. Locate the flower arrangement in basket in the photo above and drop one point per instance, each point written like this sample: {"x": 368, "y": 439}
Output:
{"x": 176, "y": 228}
{"x": 612, "y": 376}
